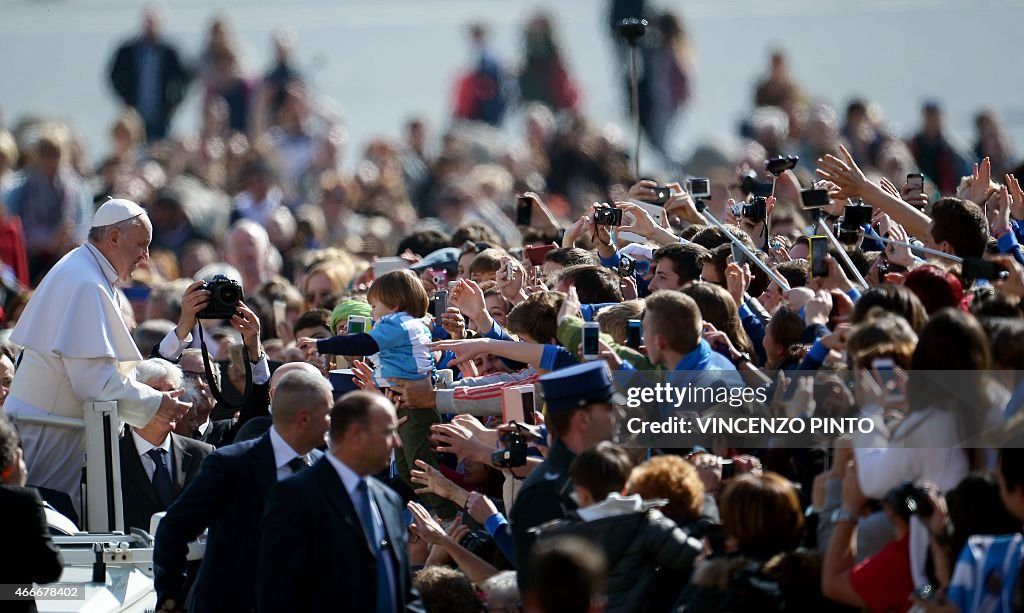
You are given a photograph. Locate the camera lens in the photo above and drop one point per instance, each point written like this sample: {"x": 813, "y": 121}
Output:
{"x": 229, "y": 293}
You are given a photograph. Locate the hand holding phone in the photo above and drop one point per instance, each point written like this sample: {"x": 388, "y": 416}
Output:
{"x": 819, "y": 251}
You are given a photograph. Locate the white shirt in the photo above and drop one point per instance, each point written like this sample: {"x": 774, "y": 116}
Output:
{"x": 203, "y": 428}
{"x": 171, "y": 348}
{"x": 143, "y": 446}
{"x": 283, "y": 453}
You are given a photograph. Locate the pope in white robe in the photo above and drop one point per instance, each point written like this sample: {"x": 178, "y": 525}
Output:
{"x": 77, "y": 348}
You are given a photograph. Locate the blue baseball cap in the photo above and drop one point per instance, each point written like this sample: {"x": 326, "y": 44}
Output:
{"x": 446, "y": 258}
{"x": 577, "y": 386}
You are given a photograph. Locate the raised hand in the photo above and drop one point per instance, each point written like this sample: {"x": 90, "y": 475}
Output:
{"x": 848, "y": 178}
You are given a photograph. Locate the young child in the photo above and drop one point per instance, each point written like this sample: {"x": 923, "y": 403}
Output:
{"x": 397, "y": 345}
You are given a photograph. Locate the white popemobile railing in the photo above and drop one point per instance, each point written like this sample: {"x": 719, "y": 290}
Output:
{"x": 112, "y": 570}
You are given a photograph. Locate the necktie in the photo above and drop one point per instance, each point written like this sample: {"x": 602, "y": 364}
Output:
{"x": 161, "y": 478}
{"x": 374, "y": 533}
{"x": 297, "y": 464}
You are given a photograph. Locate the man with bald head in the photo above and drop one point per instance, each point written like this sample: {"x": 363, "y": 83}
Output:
{"x": 257, "y": 426}
{"x": 335, "y": 529}
{"x": 228, "y": 497}
{"x": 78, "y": 349}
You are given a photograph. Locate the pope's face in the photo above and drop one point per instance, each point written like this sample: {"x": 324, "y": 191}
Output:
{"x": 130, "y": 248}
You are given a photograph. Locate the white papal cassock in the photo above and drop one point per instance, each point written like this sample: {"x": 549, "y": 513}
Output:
{"x": 76, "y": 349}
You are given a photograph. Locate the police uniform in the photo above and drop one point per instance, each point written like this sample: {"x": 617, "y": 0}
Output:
{"x": 546, "y": 494}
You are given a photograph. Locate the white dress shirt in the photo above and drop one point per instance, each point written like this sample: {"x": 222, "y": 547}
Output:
{"x": 143, "y": 446}
{"x": 283, "y": 453}
{"x": 172, "y": 346}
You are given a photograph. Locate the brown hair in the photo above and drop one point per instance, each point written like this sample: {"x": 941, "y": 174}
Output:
{"x": 675, "y": 317}
{"x": 786, "y": 326}
{"x": 687, "y": 259}
{"x": 718, "y": 307}
{"x": 601, "y": 470}
{"x": 674, "y": 479}
{"x": 962, "y": 224}
{"x": 487, "y": 261}
{"x": 881, "y": 335}
{"x": 537, "y": 316}
{"x": 400, "y": 290}
{"x": 762, "y": 513}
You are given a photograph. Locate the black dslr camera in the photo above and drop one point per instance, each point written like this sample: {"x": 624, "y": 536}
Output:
{"x": 513, "y": 453}
{"x": 756, "y": 210}
{"x": 608, "y": 216}
{"x": 224, "y": 296}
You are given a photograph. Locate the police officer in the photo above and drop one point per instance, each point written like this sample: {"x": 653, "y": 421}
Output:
{"x": 580, "y": 414}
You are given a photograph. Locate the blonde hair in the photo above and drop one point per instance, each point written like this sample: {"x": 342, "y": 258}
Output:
{"x": 8, "y": 147}
{"x": 614, "y": 319}
{"x": 132, "y": 122}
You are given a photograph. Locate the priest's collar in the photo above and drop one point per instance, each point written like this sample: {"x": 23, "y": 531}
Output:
{"x": 105, "y": 265}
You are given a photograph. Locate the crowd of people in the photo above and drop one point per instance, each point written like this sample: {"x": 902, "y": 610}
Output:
{"x": 381, "y": 389}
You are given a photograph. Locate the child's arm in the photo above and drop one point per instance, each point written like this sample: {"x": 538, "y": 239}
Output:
{"x": 353, "y": 344}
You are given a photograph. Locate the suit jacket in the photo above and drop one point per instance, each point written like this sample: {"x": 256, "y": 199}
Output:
{"x": 32, "y": 557}
{"x": 227, "y": 496}
{"x": 314, "y": 550}
{"x": 216, "y": 432}
{"x": 139, "y": 497}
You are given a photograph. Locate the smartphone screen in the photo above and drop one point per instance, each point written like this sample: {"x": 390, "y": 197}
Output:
{"x": 440, "y": 303}
{"x": 819, "y": 249}
{"x": 634, "y": 333}
{"x": 528, "y": 407}
{"x": 591, "y": 332}
{"x": 356, "y": 324}
{"x": 524, "y": 211}
{"x": 814, "y": 198}
{"x": 915, "y": 182}
{"x": 699, "y": 188}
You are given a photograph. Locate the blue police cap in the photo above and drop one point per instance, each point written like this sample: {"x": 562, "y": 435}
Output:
{"x": 577, "y": 386}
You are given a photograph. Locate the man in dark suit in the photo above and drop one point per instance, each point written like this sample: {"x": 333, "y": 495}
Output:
{"x": 227, "y": 496}
{"x": 335, "y": 530}
{"x": 156, "y": 464}
{"x": 148, "y": 75}
{"x": 24, "y": 529}
{"x": 144, "y": 452}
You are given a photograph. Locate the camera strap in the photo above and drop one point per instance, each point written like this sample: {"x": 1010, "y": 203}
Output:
{"x": 209, "y": 374}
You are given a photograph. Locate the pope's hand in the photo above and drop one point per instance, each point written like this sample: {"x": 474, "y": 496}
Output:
{"x": 171, "y": 409}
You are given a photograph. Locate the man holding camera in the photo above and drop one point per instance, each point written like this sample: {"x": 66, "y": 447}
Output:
{"x": 197, "y": 298}
{"x": 77, "y": 348}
